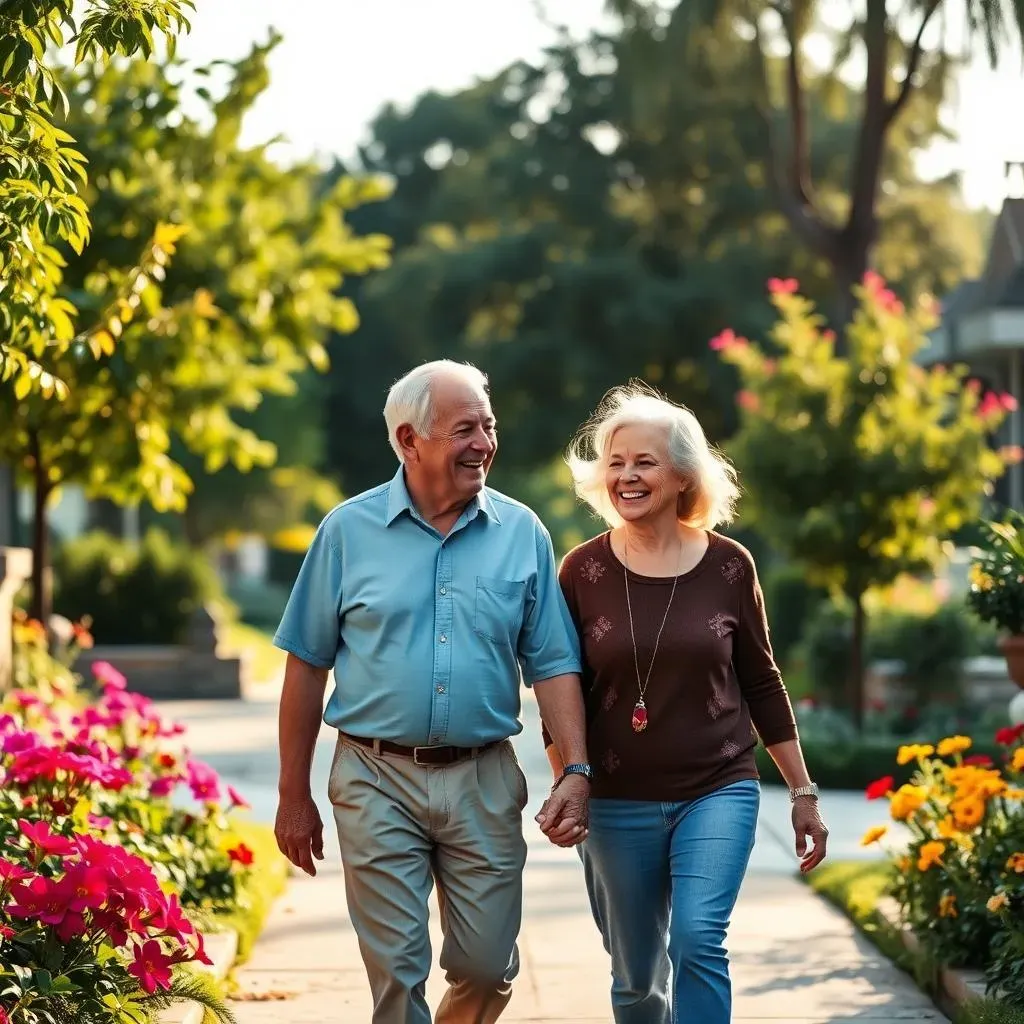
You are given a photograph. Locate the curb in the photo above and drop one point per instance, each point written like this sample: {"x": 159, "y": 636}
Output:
{"x": 955, "y": 986}
{"x": 222, "y": 948}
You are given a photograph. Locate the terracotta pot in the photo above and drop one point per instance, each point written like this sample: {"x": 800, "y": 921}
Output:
{"x": 1013, "y": 650}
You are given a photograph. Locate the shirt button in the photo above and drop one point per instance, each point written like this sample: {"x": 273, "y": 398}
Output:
{"x": 444, "y": 590}
{"x": 444, "y": 638}
{"x": 440, "y": 689}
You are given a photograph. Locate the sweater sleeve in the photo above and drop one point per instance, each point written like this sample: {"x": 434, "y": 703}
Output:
{"x": 757, "y": 673}
{"x": 569, "y": 593}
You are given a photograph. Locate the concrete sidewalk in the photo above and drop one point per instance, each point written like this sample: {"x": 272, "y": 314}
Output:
{"x": 793, "y": 957}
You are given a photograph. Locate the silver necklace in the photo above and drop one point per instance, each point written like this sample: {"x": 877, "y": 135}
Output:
{"x": 640, "y": 708}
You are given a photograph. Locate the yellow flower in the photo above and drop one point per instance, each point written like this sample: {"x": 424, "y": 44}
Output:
{"x": 953, "y": 745}
{"x": 1014, "y": 794}
{"x": 947, "y": 905}
{"x": 1016, "y": 863}
{"x": 903, "y": 865}
{"x": 948, "y": 829}
{"x": 997, "y": 902}
{"x": 873, "y": 834}
{"x": 906, "y": 801}
{"x": 914, "y": 751}
{"x": 967, "y": 812}
{"x": 930, "y": 854}
{"x": 1017, "y": 764}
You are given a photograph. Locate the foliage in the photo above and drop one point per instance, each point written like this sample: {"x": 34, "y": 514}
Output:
{"x": 562, "y": 216}
{"x": 790, "y": 601}
{"x": 41, "y": 171}
{"x": 858, "y": 466}
{"x": 996, "y": 594}
{"x": 886, "y": 47}
{"x": 102, "y": 874}
{"x": 134, "y": 593}
{"x": 960, "y": 880}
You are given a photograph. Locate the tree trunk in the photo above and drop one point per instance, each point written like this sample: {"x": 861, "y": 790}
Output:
{"x": 42, "y": 598}
{"x": 855, "y": 680}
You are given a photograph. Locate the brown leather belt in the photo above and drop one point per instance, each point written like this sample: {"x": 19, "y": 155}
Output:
{"x": 429, "y": 756}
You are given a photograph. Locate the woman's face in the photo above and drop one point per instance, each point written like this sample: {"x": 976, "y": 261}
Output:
{"x": 641, "y": 482}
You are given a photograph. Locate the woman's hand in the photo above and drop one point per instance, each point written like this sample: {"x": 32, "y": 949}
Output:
{"x": 807, "y": 824}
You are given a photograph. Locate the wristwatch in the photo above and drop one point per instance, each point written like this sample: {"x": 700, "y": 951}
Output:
{"x": 811, "y": 790}
{"x": 576, "y": 769}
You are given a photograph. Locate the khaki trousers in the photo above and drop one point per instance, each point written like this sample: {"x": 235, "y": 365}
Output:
{"x": 404, "y": 827}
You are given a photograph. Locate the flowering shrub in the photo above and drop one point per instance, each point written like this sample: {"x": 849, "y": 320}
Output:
{"x": 91, "y": 844}
{"x": 997, "y": 574}
{"x": 960, "y": 880}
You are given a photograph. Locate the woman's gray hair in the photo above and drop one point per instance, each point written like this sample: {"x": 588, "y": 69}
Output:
{"x": 712, "y": 491}
{"x": 410, "y": 399}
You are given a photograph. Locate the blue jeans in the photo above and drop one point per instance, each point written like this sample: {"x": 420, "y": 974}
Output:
{"x": 663, "y": 879}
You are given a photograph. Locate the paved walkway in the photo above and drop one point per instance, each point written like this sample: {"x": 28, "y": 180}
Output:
{"x": 793, "y": 958}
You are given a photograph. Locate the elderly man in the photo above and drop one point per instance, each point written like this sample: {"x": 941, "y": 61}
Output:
{"x": 430, "y": 596}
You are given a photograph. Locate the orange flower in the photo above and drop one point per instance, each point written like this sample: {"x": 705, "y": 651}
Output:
{"x": 953, "y": 745}
{"x": 914, "y": 752}
{"x": 947, "y": 905}
{"x": 997, "y": 902}
{"x": 967, "y": 812}
{"x": 930, "y": 854}
{"x": 1017, "y": 761}
{"x": 906, "y": 801}
{"x": 1016, "y": 863}
{"x": 873, "y": 834}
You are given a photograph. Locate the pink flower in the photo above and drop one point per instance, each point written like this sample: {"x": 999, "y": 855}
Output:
{"x": 237, "y": 800}
{"x": 108, "y": 676}
{"x": 11, "y": 872}
{"x": 828, "y": 336}
{"x": 37, "y": 900}
{"x": 1011, "y": 453}
{"x": 726, "y": 340}
{"x": 873, "y": 281}
{"x": 783, "y": 286}
{"x": 203, "y": 781}
{"x": 990, "y": 405}
{"x": 748, "y": 400}
{"x": 40, "y": 836}
{"x": 150, "y": 966}
{"x": 1008, "y": 402}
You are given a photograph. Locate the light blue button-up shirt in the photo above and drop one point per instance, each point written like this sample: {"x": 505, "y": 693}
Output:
{"x": 429, "y": 636}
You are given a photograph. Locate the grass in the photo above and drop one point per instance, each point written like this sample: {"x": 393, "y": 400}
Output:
{"x": 255, "y": 646}
{"x": 857, "y": 888}
{"x": 266, "y": 882}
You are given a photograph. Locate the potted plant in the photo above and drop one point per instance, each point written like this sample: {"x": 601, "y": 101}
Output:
{"x": 997, "y": 586}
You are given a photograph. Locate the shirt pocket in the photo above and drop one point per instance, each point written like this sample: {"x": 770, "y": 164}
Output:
{"x": 498, "y": 611}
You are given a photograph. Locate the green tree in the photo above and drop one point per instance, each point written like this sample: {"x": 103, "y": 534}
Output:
{"x": 240, "y": 313}
{"x": 900, "y": 53}
{"x": 560, "y": 217}
{"x": 858, "y": 467}
{"x": 42, "y": 172}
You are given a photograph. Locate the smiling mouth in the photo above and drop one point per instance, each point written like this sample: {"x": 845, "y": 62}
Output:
{"x": 473, "y": 465}
{"x": 633, "y": 495}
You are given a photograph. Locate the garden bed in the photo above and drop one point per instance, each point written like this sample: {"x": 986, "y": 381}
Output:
{"x": 948, "y": 905}
{"x": 117, "y": 904}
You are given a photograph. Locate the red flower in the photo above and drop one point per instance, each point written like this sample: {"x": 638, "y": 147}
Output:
{"x": 72, "y": 926}
{"x": 783, "y": 286}
{"x": 1008, "y": 736}
{"x": 241, "y": 854}
{"x": 829, "y": 336}
{"x": 1008, "y": 402}
{"x": 880, "y": 787}
{"x": 11, "y": 872}
{"x": 83, "y": 887}
{"x": 37, "y": 899}
{"x": 981, "y": 760}
{"x": 150, "y": 966}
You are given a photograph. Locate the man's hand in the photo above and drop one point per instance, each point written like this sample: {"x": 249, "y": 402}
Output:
{"x": 299, "y": 831}
{"x": 564, "y": 818}
{"x": 807, "y": 823}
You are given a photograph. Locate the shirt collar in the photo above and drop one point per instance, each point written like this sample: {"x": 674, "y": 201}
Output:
{"x": 399, "y": 501}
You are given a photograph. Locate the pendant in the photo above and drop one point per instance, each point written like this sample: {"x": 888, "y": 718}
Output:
{"x": 639, "y": 716}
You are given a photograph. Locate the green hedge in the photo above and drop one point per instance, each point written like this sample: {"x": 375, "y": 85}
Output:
{"x": 144, "y": 593}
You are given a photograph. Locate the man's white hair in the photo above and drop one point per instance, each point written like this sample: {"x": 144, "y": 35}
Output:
{"x": 410, "y": 399}
{"x": 710, "y": 498}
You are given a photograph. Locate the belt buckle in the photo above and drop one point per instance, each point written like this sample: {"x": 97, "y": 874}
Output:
{"x": 416, "y": 756}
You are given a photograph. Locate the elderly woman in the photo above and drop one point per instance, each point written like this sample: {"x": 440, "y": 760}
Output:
{"x": 678, "y": 674}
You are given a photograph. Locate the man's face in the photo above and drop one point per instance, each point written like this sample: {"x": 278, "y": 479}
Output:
{"x": 451, "y": 465}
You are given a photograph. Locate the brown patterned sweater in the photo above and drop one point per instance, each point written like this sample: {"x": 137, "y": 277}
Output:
{"x": 714, "y": 680}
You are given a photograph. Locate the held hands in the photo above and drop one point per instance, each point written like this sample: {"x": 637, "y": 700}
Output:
{"x": 564, "y": 816}
{"x": 299, "y": 831}
{"x": 807, "y": 824}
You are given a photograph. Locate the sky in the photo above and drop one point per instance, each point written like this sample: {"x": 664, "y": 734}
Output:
{"x": 342, "y": 60}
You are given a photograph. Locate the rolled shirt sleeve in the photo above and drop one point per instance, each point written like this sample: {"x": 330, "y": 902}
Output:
{"x": 548, "y": 644}
{"x": 310, "y": 626}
